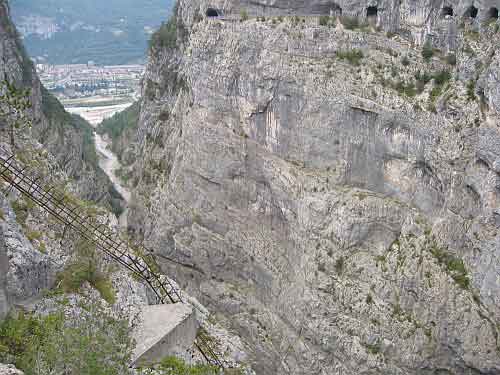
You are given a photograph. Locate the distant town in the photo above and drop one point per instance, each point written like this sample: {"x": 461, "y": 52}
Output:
{"x": 89, "y": 80}
{"x": 91, "y": 91}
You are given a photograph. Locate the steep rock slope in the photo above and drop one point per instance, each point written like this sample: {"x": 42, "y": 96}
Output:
{"x": 330, "y": 193}
{"x": 60, "y": 149}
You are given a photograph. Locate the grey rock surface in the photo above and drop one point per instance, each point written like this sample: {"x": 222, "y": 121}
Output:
{"x": 336, "y": 222}
{"x": 9, "y": 370}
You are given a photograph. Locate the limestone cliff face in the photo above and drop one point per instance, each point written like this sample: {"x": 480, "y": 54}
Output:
{"x": 340, "y": 213}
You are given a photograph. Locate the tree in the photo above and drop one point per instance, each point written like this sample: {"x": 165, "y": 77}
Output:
{"x": 14, "y": 104}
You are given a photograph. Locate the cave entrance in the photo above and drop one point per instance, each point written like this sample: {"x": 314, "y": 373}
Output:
{"x": 447, "y": 12}
{"x": 211, "y": 12}
{"x": 336, "y": 11}
{"x": 493, "y": 13}
{"x": 372, "y": 12}
{"x": 471, "y": 12}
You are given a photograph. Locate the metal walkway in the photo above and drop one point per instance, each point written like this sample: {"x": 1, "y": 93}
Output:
{"x": 137, "y": 259}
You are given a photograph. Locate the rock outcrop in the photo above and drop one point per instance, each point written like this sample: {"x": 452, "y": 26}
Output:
{"x": 9, "y": 370}
{"x": 330, "y": 193}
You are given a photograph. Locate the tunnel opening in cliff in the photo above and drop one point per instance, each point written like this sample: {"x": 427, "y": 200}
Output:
{"x": 372, "y": 12}
{"x": 211, "y": 12}
{"x": 471, "y": 12}
{"x": 447, "y": 12}
{"x": 493, "y": 13}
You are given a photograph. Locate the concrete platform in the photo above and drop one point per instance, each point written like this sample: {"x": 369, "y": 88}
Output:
{"x": 165, "y": 330}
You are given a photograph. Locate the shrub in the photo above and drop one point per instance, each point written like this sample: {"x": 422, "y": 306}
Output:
{"x": 353, "y": 56}
{"x": 454, "y": 266}
{"x": 451, "y": 59}
{"x": 243, "y": 15}
{"x": 166, "y": 35}
{"x": 441, "y": 77}
{"x": 85, "y": 268}
{"x": 324, "y": 20}
{"x": 422, "y": 80}
{"x": 350, "y": 23}
{"x": 471, "y": 94}
{"x": 427, "y": 51}
{"x": 339, "y": 265}
{"x": 88, "y": 342}
{"x": 176, "y": 366}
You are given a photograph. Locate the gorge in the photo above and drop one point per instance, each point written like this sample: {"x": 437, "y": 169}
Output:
{"x": 323, "y": 177}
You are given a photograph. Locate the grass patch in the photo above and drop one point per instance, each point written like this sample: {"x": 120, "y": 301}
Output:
{"x": 90, "y": 342}
{"x": 454, "y": 266}
{"x": 353, "y": 56}
{"x": 86, "y": 268}
{"x": 174, "y": 365}
{"x": 427, "y": 51}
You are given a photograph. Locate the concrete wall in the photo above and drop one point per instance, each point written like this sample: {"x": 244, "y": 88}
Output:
{"x": 165, "y": 330}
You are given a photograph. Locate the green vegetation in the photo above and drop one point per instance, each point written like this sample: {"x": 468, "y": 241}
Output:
{"x": 339, "y": 265}
{"x": 14, "y": 104}
{"x": 91, "y": 341}
{"x": 119, "y": 124}
{"x": 454, "y": 266}
{"x": 60, "y": 120}
{"x": 451, "y": 59}
{"x": 353, "y": 56}
{"x": 243, "y": 15}
{"x": 166, "y": 35}
{"x": 405, "y": 61}
{"x": 441, "y": 77}
{"x": 176, "y": 366}
{"x": 21, "y": 209}
{"x": 422, "y": 80}
{"x": 326, "y": 21}
{"x": 351, "y": 23}
{"x": 86, "y": 267}
{"x": 471, "y": 90}
{"x": 373, "y": 348}
{"x": 427, "y": 51}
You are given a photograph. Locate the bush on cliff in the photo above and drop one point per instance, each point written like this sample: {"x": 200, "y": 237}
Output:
{"x": 86, "y": 340}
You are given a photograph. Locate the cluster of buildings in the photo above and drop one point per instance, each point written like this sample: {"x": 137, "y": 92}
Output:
{"x": 84, "y": 80}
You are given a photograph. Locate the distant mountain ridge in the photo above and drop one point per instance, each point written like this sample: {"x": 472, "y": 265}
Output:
{"x": 71, "y": 31}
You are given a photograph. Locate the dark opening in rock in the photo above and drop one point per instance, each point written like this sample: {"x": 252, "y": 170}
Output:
{"x": 372, "y": 11}
{"x": 471, "y": 12}
{"x": 493, "y": 13}
{"x": 447, "y": 11}
{"x": 211, "y": 12}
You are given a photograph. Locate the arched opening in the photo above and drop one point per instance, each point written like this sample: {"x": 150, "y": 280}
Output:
{"x": 211, "y": 12}
{"x": 493, "y": 13}
{"x": 447, "y": 12}
{"x": 372, "y": 12}
{"x": 337, "y": 11}
{"x": 471, "y": 12}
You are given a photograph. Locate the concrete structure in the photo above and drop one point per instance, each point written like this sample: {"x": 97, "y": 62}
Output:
{"x": 164, "y": 330}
